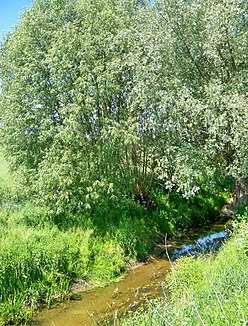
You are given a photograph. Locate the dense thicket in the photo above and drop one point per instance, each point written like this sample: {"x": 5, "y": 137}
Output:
{"x": 102, "y": 101}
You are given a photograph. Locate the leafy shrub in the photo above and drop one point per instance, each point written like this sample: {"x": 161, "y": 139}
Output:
{"x": 241, "y": 214}
{"x": 31, "y": 216}
{"x": 174, "y": 213}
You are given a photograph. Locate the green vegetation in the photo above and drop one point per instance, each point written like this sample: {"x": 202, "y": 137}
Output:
{"x": 105, "y": 101}
{"x": 206, "y": 291}
{"x": 120, "y": 120}
{"x": 41, "y": 257}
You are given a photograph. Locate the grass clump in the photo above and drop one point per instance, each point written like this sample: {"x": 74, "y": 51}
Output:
{"x": 38, "y": 265}
{"x": 109, "y": 261}
{"x": 210, "y": 291}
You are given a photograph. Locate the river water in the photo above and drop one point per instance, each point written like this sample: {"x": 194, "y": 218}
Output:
{"x": 139, "y": 284}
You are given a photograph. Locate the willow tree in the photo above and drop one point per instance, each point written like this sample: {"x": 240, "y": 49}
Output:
{"x": 64, "y": 103}
{"x": 102, "y": 99}
{"x": 206, "y": 78}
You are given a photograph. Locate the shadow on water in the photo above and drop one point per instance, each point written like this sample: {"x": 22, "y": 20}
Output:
{"x": 141, "y": 283}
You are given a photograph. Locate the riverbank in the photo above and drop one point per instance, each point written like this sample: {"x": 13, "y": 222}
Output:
{"x": 140, "y": 284}
{"x": 42, "y": 258}
{"x": 209, "y": 291}
{"x": 40, "y": 261}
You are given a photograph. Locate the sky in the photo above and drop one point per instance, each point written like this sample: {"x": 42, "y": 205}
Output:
{"x": 9, "y": 13}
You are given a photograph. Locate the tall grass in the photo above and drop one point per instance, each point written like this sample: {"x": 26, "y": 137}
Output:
{"x": 36, "y": 266}
{"x": 39, "y": 264}
{"x": 39, "y": 261}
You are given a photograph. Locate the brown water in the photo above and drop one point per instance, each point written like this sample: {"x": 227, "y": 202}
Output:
{"x": 139, "y": 284}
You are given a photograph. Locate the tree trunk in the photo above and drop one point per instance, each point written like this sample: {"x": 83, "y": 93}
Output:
{"x": 241, "y": 192}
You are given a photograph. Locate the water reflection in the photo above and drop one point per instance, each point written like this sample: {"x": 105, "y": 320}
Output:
{"x": 202, "y": 246}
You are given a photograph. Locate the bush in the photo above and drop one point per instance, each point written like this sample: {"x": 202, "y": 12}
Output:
{"x": 174, "y": 213}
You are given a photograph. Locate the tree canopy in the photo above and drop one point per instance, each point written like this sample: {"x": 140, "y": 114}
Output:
{"x": 104, "y": 100}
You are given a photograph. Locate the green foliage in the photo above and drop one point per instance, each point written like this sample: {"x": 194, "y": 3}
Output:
{"x": 40, "y": 261}
{"x": 31, "y": 216}
{"x": 5, "y": 177}
{"x": 42, "y": 254}
{"x": 111, "y": 112}
{"x": 241, "y": 214}
{"x": 8, "y": 184}
{"x": 109, "y": 260}
{"x": 209, "y": 291}
{"x": 102, "y": 100}
{"x": 36, "y": 266}
{"x": 173, "y": 212}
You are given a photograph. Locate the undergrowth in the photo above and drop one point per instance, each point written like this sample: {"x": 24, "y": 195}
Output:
{"x": 42, "y": 256}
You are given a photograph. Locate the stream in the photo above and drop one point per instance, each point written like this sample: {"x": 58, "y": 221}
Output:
{"x": 139, "y": 284}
